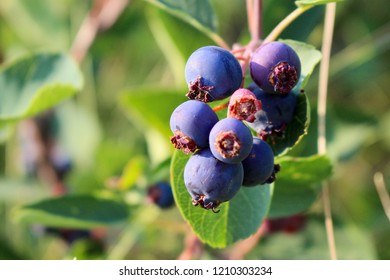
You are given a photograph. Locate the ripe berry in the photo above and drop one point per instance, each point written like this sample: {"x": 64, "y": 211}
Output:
{"x": 291, "y": 224}
{"x": 212, "y": 73}
{"x": 275, "y": 67}
{"x": 211, "y": 181}
{"x": 191, "y": 123}
{"x": 161, "y": 194}
{"x": 259, "y": 166}
{"x": 277, "y": 112}
{"x": 243, "y": 105}
{"x": 230, "y": 140}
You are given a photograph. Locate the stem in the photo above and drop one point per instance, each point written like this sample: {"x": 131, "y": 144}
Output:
{"x": 330, "y": 14}
{"x": 103, "y": 14}
{"x": 275, "y": 33}
{"x": 244, "y": 247}
{"x": 382, "y": 192}
{"x": 257, "y": 26}
{"x": 220, "y": 107}
{"x": 249, "y": 14}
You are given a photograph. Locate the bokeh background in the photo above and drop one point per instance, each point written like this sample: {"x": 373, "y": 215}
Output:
{"x": 98, "y": 136}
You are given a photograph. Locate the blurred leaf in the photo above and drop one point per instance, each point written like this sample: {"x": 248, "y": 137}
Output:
{"x": 35, "y": 83}
{"x": 295, "y": 188}
{"x": 75, "y": 119}
{"x": 16, "y": 191}
{"x": 73, "y": 212}
{"x": 237, "y": 219}
{"x": 152, "y": 107}
{"x": 198, "y": 13}
{"x": 132, "y": 171}
{"x": 309, "y": 58}
{"x": 305, "y": 3}
{"x": 353, "y": 243}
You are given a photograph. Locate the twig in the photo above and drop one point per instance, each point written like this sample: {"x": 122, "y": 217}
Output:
{"x": 382, "y": 192}
{"x": 193, "y": 248}
{"x": 330, "y": 14}
{"x": 286, "y": 22}
{"x": 249, "y": 15}
{"x": 241, "y": 249}
{"x": 103, "y": 15}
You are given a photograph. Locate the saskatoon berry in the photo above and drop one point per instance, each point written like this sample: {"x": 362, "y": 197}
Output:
{"x": 211, "y": 181}
{"x": 291, "y": 224}
{"x": 212, "y": 73}
{"x": 230, "y": 140}
{"x": 161, "y": 194}
{"x": 275, "y": 67}
{"x": 259, "y": 166}
{"x": 191, "y": 123}
{"x": 243, "y": 105}
{"x": 277, "y": 112}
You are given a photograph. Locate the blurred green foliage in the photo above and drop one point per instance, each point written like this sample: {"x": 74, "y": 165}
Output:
{"x": 147, "y": 48}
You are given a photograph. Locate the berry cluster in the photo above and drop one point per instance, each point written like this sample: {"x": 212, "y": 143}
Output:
{"x": 225, "y": 154}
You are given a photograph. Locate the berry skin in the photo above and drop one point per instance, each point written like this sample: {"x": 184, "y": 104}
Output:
{"x": 275, "y": 67}
{"x": 230, "y": 140}
{"x": 161, "y": 194}
{"x": 277, "y": 112}
{"x": 191, "y": 123}
{"x": 211, "y": 181}
{"x": 243, "y": 105}
{"x": 212, "y": 73}
{"x": 259, "y": 167}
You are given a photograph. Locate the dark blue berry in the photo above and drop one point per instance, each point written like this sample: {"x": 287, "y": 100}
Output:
{"x": 275, "y": 67}
{"x": 191, "y": 123}
{"x": 212, "y": 73}
{"x": 277, "y": 112}
{"x": 211, "y": 181}
{"x": 259, "y": 167}
{"x": 161, "y": 194}
{"x": 230, "y": 140}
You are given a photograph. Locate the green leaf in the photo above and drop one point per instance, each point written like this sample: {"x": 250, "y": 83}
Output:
{"x": 73, "y": 212}
{"x": 35, "y": 83}
{"x": 132, "y": 172}
{"x": 305, "y": 3}
{"x": 198, "y": 13}
{"x": 296, "y": 185}
{"x": 152, "y": 107}
{"x": 237, "y": 219}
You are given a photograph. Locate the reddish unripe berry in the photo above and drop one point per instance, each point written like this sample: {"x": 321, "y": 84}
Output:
{"x": 243, "y": 105}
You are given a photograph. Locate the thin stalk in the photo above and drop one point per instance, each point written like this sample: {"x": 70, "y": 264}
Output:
{"x": 249, "y": 15}
{"x": 380, "y": 185}
{"x": 275, "y": 33}
{"x": 330, "y": 15}
{"x": 257, "y": 20}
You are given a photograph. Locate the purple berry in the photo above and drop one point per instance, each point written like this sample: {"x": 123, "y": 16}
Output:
{"x": 277, "y": 112}
{"x": 230, "y": 140}
{"x": 211, "y": 181}
{"x": 259, "y": 167}
{"x": 161, "y": 194}
{"x": 212, "y": 73}
{"x": 191, "y": 123}
{"x": 275, "y": 67}
{"x": 243, "y": 105}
